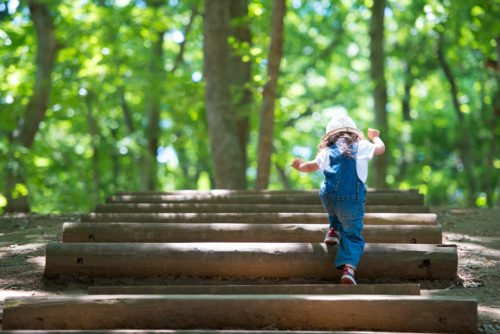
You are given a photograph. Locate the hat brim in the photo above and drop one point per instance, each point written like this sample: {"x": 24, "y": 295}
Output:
{"x": 346, "y": 129}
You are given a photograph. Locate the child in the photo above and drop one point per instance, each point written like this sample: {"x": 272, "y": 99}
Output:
{"x": 343, "y": 157}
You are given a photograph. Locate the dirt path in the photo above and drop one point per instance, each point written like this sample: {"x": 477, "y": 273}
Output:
{"x": 476, "y": 233}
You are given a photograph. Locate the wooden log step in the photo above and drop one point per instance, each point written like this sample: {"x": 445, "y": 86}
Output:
{"x": 250, "y": 260}
{"x": 188, "y": 331}
{"x": 275, "y": 289}
{"x": 300, "y": 198}
{"x": 232, "y": 232}
{"x": 240, "y": 208}
{"x": 252, "y": 191}
{"x": 258, "y": 218}
{"x": 283, "y": 312}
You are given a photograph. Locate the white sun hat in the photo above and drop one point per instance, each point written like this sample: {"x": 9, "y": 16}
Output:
{"x": 341, "y": 122}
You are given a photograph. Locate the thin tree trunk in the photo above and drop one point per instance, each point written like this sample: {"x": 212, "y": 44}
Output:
{"x": 491, "y": 155}
{"x": 496, "y": 109}
{"x": 127, "y": 114}
{"x": 35, "y": 111}
{"x": 282, "y": 176}
{"x": 241, "y": 73}
{"x": 157, "y": 76}
{"x": 405, "y": 108}
{"x": 184, "y": 163}
{"x": 490, "y": 122}
{"x": 115, "y": 158}
{"x": 377, "y": 58}
{"x": 179, "y": 146}
{"x": 464, "y": 143}
{"x": 269, "y": 95}
{"x": 405, "y": 103}
{"x": 94, "y": 133}
{"x": 15, "y": 184}
{"x": 180, "y": 56}
{"x": 226, "y": 152}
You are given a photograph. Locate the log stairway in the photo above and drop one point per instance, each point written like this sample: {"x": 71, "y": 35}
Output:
{"x": 255, "y": 261}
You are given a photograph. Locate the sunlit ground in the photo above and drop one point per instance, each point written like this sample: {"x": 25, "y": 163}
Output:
{"x": 476, "y": 234}
{"x": 474, "y": 231}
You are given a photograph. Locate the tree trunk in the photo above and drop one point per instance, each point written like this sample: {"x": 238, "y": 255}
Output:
{"x": 28, "y": 125}
{"x": 226, "y": 152}
{"x": 157, "y": 76}
{"x": 464, "y": 143}
{"x": 405, "y": 108}
{"x": 380, "y": 91}
{"x": 17, "y": 201}
{"x": 490, "y": 121}
{"x": 186, "y": 182}
{"x": 180, "y": 56}
{"x": 241, "y": 73}
{"x": 491, "y": 154}
{"x": 405, "y": 103}
{"x": 269, "y": 95}
{"x": 282, "y": 176}
{"x": 115, "y": 158}
{"x": 127, "y": 114}
{"x": 94, "y": 133}
{"x": 497, "y": 105}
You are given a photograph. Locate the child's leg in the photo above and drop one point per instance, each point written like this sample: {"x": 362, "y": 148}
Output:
{"x": 333, "y": 233}
{"x": 351, "y": 244}
{"x": 329, "y": 204}
{"x": 348, "y": 276}
{"x": 334, "y": 222}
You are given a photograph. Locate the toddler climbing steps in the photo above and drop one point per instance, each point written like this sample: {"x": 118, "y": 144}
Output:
{"x": 245, "y": 260}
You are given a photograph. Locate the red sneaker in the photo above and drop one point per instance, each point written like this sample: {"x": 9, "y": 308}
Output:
{"x": 332, "y": 237}
{"x": 347, "y": 278}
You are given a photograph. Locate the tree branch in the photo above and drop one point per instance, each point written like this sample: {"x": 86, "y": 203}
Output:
{"x": 180, "y": 56}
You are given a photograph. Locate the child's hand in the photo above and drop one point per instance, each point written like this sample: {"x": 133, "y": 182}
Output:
{"x": 379, "y": 144}
{"x": 296, "y": 163}
{"x": 305, "y": 167}
{"x": 372, "y": 133}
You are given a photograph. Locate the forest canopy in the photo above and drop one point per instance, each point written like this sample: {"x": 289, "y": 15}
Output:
{"x": 98, "y": 96}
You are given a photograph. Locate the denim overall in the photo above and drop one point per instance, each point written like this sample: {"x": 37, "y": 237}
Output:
{"x": 343, "y": 197}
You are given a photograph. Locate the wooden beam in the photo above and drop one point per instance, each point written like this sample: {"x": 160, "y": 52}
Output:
{"x": 283, "y": 312}
{"x": 240, "y": 208}
{"x": 274, "y": 289}
{"x": 232, "y": 232}
{"x": 273, "y": 260}
{"x": 258, "y": 218}
{"x": 373, "y": 198}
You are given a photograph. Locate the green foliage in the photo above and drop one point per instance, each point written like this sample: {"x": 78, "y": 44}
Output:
{"x": 104, "y": 62}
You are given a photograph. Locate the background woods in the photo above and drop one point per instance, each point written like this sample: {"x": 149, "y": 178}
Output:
{"x": 105, "y": 95}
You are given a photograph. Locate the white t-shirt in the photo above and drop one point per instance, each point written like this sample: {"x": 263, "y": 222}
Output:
{"x": 365, "y": 154}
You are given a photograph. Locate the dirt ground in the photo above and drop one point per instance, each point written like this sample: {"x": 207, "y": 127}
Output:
{"x": 475, "y": 232}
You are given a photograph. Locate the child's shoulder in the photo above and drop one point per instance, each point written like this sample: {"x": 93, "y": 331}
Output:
{"x": 323, "y": 151}
{"x": 364, "y": 142}
{"x": 365, "y": 149}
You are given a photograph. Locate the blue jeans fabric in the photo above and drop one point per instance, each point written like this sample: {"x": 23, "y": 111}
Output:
{"x": 343, "y": 196}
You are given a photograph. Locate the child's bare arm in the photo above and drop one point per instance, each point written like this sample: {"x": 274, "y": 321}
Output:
{"x": 305, "y": 167}
{"x": 379, "y": 144}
